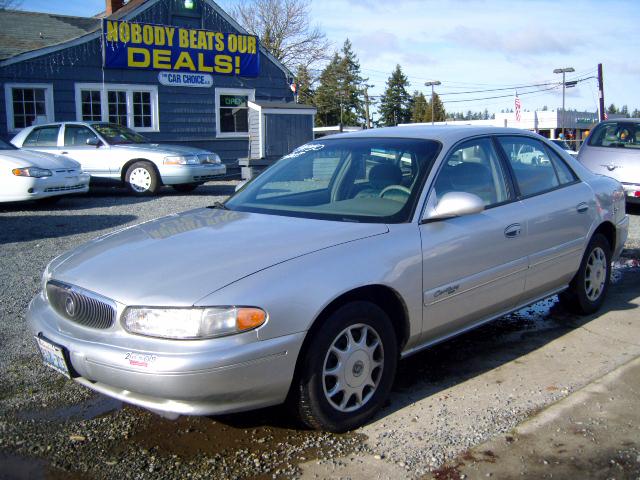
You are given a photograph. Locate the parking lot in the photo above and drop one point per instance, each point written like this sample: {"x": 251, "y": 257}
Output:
{"x": 445, "y": 400}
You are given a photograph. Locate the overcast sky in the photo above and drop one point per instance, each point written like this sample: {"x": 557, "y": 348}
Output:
{"x": 478, "y": 44}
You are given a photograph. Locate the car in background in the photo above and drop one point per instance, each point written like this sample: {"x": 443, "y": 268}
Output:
{"x": 613, "y": 149}
{"x": 348, "y": 254}
{"x": 112, "y": 153}
{"x": 565, "y": 146}
{"x": 26, "y": 175}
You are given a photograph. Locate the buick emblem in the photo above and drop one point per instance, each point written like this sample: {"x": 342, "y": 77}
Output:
{"x": 70, "y": 306}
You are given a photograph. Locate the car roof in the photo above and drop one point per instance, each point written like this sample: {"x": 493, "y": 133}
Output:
{"x": 444, "y": 133}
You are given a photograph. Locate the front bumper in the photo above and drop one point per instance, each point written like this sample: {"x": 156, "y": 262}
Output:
{"x": 31, "y": 188}
{"x": 177, "y": 174}
{"x": 201, "y": 377}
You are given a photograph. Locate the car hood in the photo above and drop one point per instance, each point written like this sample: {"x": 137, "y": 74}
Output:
{"x": 163, "y": 149}
{"x": 28, "y": 158}
{"x": 179, "y": 259}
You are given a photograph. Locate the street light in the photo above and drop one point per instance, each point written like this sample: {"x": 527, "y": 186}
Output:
{"x": 563, "y": 71}
{"x": 432, "y": 84}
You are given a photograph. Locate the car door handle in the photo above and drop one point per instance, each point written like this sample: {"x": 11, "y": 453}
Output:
{"x": 64, "y": 153}
{"x": 582, "y": 207}
{"x": 513, "y": 231}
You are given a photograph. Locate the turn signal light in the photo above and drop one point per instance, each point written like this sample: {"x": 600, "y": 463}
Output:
{"x": 248, "y": 318}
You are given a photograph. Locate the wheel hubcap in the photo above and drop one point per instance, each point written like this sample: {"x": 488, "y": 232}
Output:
{"x": 140, "y": 180}
{"x": 595, "y": 274}
{"x": 353, "y": 367}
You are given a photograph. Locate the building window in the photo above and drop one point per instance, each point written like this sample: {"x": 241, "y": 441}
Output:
{"x": 91, "y": 106}
{"x": 117, "y": 102}
{"x": 142, "y": 110}
{"x": 232, "y": 113}
{"x": 28, "y": 104}
{"x": 133, "y": 106}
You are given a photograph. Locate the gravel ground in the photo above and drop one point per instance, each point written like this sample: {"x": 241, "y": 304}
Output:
{"x": 52, "y": 427}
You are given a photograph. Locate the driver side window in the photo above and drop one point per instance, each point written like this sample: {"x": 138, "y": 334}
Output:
{"x": 77, "y": 136}
{"x": 473, "y": 167}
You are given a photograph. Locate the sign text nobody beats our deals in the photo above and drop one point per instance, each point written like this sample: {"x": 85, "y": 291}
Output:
{"x": 161, "y": 47}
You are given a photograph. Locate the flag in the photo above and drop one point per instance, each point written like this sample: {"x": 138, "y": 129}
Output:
{"x": 517, "y": 107}
{"x": 293, "y": 87}
{"x": 606, "y": 117}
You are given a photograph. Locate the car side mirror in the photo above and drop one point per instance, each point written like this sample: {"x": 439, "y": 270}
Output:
{"x": 455, "y": 204}
{"x": 94, "y": 142}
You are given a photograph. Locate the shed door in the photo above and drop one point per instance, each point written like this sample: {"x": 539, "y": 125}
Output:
{"x": 284, "y": 132}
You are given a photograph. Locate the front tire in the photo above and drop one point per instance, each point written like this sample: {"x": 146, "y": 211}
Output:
{"x": 142, "y": 178}
{"x": 589, "y": 287}
{"x": 348, "y": 368}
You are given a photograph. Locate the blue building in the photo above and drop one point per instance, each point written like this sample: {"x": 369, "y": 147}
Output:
{"x": 179, "y": 71}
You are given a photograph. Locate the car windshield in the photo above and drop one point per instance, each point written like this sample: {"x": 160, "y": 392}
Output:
{"x": 6, "y": 146}
{"x": 117, "y": 134}
{"x": 616, "y": 135}
{"x": 374, "y": 180}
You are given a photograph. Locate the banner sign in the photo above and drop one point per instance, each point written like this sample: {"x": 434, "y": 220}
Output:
{"x": 144, "y": 46}
{"x": 177, "y": 79}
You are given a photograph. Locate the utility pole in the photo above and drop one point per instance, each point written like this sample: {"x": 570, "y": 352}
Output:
{"x": 600, "y": 92}
{"x": 563, "y": 71}
{"x": 432, "y": 84}
{"x": 366, "y": 104}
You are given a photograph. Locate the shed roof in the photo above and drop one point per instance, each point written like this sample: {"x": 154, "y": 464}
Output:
{"x": 278, "y": 105}
{"x": 22, "y": 32}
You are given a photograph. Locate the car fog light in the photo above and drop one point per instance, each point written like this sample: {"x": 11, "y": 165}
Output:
{"x": 192, "y": 323}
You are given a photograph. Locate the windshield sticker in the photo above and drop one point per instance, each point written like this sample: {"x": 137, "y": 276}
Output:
{"x": 310, "y": 147}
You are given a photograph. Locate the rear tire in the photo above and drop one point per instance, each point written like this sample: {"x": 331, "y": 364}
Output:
{"x": 142, "y": 178}
{"x": 348, "y": 368}
{"x": 589, "y": 287}
{"x": 185, "y": 187}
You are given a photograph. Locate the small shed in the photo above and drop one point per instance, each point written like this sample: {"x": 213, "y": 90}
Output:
{"x": 267, "y": 122}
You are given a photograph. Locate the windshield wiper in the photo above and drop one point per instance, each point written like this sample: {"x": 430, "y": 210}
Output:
{"x": 219, "y": 205}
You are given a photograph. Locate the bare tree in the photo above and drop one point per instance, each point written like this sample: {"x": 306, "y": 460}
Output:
{"x": 10, "y": 4}
{"x": 284, "y": 29}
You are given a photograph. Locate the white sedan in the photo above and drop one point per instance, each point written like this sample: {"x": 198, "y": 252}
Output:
{"x": 26, "y": 175}
{"x": 113, "y": 154}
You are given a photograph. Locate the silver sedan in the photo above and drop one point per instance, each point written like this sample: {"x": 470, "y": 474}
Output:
{"x": 347, "y": 255}
{"x": 112, "y": 153}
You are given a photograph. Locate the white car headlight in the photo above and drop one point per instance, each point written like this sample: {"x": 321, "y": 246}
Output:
{"x": 192, "y": 323}
{"x": 209, "y": 158}
{"x": 181, "y": 160}
{"x": 36, "y": 172}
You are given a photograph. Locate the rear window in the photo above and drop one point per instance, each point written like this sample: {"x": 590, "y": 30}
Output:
{"x": 616, "y": 135}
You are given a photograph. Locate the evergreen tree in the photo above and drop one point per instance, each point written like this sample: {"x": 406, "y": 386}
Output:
{"x": 326, "y": 97}
{"x": 635, "y": 113}
{"x": 395, "y": 102}
{"x": 339, "y": 93}
{"x": 420, "y": 112}
{"x": 439, "y": 113}
{"x": 625, "y": 111}
{"x": 304, "y": 85}
{"x": 612, "y": 109}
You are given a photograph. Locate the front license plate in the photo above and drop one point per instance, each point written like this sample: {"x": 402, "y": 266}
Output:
{"x": 53, "y": 356}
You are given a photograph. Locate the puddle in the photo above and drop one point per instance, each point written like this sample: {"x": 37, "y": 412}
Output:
{"x": 250, "y": 444}
{"x": 94, "y": 407}
{"x": 16, "y": 467}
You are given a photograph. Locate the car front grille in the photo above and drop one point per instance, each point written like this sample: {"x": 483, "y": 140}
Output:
{"x": 79, "y": 306}
{"x": 205, "y": 178}
{"x": 70, "y": 188}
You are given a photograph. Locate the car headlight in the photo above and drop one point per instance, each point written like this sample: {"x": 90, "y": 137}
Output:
{"x": 181, "y": 160}
{"x": 192, "y": 323}
{"x": 36, "y": 172}
{"x": 209, "y": 158}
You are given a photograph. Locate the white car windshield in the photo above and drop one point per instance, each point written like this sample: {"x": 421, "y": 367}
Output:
{"x": 376, "y": 180}
{"x": 117, "y": 134}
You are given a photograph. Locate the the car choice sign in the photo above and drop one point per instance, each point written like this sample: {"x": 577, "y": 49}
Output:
{"x": 146, "y": 46}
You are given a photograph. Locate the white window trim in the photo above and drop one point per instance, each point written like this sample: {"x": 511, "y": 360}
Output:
{"x": 121, "y": 87}
{"x": 8, "y": 100}
{"x": 251, "y": 93}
